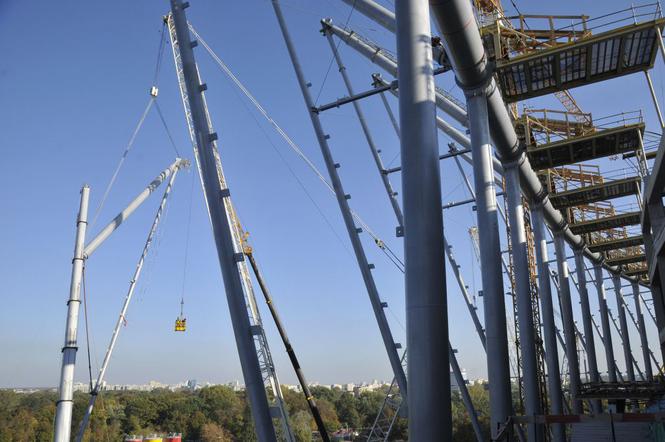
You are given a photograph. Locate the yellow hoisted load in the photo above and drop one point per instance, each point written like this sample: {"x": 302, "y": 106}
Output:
{"x": 181, "y": 321}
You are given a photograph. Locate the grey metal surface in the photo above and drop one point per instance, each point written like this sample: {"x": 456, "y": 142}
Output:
{"x": 568, "y": 322}
{"x": 465, "y": 51}
{"x": 123, "y": 311}
{"x": 342, "y": 201}
{"x": 425, "y": 276}
{"x": 392, "y": 195}
{"x": 215, "y": 195}
{"x": 527, "y": 339}
{"x": 643, "y": 332}
{"x": 625, "y": 338}
{"x": 492, "y": 277}
{"x": 64, "y": 405}
{"x": 589, "y": 340}
{"x": 605, "y": 324}
{"x": 131, "y": 207}
{"x": 555, "y": 394}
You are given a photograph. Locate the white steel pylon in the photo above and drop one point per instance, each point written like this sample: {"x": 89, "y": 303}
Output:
{"x": 276, "y": 400}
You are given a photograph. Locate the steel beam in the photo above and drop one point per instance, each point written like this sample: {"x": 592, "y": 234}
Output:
{"x": 568, "y": 322}
{"x": 215, "y": 196}
{"x": 123, "y": 311}
{"x": 594, "y": 374}
{"x": 555, "y": 395}
{"x": 426, "y": 300}
{"x": 464, "y": 392}
{"x": 342, "y": 200}
{"x": 527, "y": 338}
{"x": 392, "y": 195}
{"x": 605, "y": 323}
{"x": 625, "y": 340}
{"x": 643, "y": 332}
{"x": 492, "y": 276}
{"x": 65, "y": 403}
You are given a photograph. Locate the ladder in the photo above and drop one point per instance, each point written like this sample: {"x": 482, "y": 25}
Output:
{"x": 276, "y": 400}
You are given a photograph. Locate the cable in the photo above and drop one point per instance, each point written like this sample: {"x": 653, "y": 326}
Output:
{"x": 184, "y": 269}
{"x": 87, "y": 328}
{"x": 286, "y": 138}
{"x": 122, "y": 160}
{"x": 166, "y": 128}
{"x": 332, "y": 58}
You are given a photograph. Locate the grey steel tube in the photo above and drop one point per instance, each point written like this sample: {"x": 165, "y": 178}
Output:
{"x": 64, "y": 405}
{"x": 465, "y": 293}
{"x": 342, "y": 201}
{"x": 586, "y": 316}
{"x": 311, "y": 402}
{"x": 123, "y": 311}
{"x": 625, "y": 339}
{"x": 527, "y": 338}
{"x": 428, "y": 367}
{"x": 132, "y": 206}
{"x": 464, "y": 392}
{"x": 605, "y": 324}
{"x": 568, "y": 322}
{"x": 547, "y": 316}
{"x": 221, "y": 228}
{"x": 465, "y": 51}
{"x": 368, "y": 135}
{"x": 643, "y": 332}
{"x": 492, "y": 277}
{"x": 589, "y": 340}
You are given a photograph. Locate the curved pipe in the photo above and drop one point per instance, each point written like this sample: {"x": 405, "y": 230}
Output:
{"x": 466, "y": 53}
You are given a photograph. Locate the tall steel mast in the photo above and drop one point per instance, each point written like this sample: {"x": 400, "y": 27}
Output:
{"x": 255, "y": 358}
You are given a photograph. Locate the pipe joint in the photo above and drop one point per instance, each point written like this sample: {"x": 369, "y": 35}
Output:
{"x": 484, "y": 86}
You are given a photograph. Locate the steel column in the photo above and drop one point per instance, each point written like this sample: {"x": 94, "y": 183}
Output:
{"x": 428, "y": 367}
{"x": 527, "y": 339}
{"x": 64, "y": 405}
{"x": 223, "y": 236}
{"x": 492, "y": 276}
{"x": 643, "y": 332}
{"x": 586, "y": 317}
{"x": 655, "y": 99}
{"x": 605, "y": 323}
{"x": 627, "y": 353}
{"x": 368, "y": 136}
{"x": 547, "y": 316}
{"x": 342, "y": 200}
{"x": 568, "y": 322}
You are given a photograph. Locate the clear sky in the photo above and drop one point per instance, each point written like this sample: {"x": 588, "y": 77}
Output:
{"x": 74, "y": 79}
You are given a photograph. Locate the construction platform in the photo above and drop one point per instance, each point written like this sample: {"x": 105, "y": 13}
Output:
{"x": 605, "y": 223}
{"x": 599, "y": 192}
{"x": 604, "y": 246}
{"x": 611, "y": 54}
{"x": 603, "y": 143}
{"x": 626, "y": 259}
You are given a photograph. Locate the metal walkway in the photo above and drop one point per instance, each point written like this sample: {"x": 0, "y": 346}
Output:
{"x": 607, "y": 222}
{"x": 599, "y": 144}
{"x": 611, "y": 54}
{"x": 600, "y": 192}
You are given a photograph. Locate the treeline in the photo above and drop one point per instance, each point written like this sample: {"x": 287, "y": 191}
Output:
{"x": 210, "y": 414}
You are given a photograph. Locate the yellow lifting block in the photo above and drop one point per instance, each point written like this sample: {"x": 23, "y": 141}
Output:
{"x": 180, "y": 324}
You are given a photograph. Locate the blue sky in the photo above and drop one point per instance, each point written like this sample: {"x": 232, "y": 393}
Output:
{"x": 74, "y": 81}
